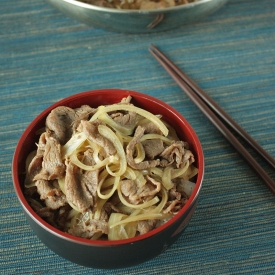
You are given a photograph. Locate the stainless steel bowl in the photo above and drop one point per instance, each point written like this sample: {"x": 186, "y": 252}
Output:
{"x": 137, "y": 21}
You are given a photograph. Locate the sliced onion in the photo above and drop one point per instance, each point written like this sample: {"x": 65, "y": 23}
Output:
{"x": 75, "y": 141}
{"x": 119, "y": 128}
{"x": 116, "y": 233}
{"x": 130, "y": 173}
{"x": 96, "y": 150}
{"x": 140, "y": 153}
{"x": 142, "y": 217}
{"x": 156, "y": 136}
{"x": 71, "y": 214}
{"x": 61, "y": 183}
{"x": 154, "y": 171}
{"x": 194, "y": 171}
{"x": 99, "y": 206}
{"x": 132, "y": 108}
{"x": 140, "y": 180}
{"x": 123, "y": 138}
{"x": 113, "y": 170}
{"x": 164, "y": 199}
{"x": 110, "y": 192}
{"x": 137, "y": 206}
{"x": 103, "y": 175}
{"x": 74, "y": 159}
{"x": 166, "y": 178}
{"x": 109, "y": 134}
{"x": 74, "y": 206}
{"x": 75, "y": 219}
{"x": 179, "y": 172}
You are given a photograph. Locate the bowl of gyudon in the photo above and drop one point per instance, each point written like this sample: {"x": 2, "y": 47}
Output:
{"x": 108, "y": 178}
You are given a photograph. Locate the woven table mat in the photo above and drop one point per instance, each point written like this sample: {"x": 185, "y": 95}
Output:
{"x": 46, "y": 56}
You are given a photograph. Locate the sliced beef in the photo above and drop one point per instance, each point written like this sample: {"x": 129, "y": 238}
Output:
{"x": 130, "y": 151}
{"x": 137, "y": 195}
{"x": 176, "y": 154}
{"x": 41, "y": 145}
{"x": 52, "y": 164}
{"x": 174, "y": 206}
{"x": 83, "y": 113}
{"x": 47, "y": 214}
{"x": 176, "y": 200}
{"x": 151, "y": 128}
{"x": 129, "y": 189}
{"x": 62, "y": 121}
{"x": 89, "y": 185}
{"x": 80, "y": 187}
{"x": 173, "y": 194}
{"x": 146, "y": 226}
{"x": 59, "y": 123}
{"x": 107, "y": 209}
{"x": 91, "y": 131}
{"x": 51, "y": 193}
{"x": 188, "y": 156}
{"x": 61, "y": 216}
{"x": 48, "y": 201}
{"x": 126, "y": 100}
{"x": 177, "y": 192}
{"x": 88, "y": 158}
{"x": 156, "y": 183}
{"x": 152, "y": 148}
{"x": 35, "y": 165}
{"x": 127, "y": 120}
{"x": 89, "y": 229}
{"x": 30, "y": 192}
{"x": 110, "y": 208}
{"x": 34, "y": 169}
{"x": 90, "y": 178}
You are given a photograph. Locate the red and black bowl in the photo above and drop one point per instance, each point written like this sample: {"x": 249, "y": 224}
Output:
{"x": 100, "y": 253}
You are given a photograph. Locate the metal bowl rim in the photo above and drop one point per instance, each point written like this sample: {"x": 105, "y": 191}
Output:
{"x": 129, "y": 11}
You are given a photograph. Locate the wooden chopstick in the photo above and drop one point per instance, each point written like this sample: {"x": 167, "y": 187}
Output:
{"x": 211, "y": 109}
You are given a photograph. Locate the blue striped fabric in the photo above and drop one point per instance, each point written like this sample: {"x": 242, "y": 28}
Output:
{"x": 45, "y": 56}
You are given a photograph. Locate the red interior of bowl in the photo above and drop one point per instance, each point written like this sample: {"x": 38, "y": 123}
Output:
{"x": 95, "y": 98}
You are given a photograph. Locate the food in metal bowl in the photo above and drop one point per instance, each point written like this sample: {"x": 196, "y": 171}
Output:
{"x": 137, "y": 4}
{"x": 132, "y": 18}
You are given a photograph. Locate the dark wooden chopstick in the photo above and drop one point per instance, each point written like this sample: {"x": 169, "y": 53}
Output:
{"x": 211, "y": 109}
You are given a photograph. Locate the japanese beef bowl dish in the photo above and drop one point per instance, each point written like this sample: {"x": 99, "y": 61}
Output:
{"x": 137, "y": 16}
{"x": 108, "y": 178}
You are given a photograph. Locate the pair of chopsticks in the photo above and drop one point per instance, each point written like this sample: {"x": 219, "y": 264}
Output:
{"x": 215, "y": 113}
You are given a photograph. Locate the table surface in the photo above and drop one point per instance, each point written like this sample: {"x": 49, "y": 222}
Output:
{"x": 46, "y": 56}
